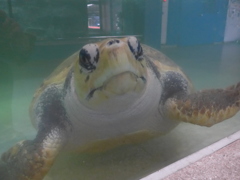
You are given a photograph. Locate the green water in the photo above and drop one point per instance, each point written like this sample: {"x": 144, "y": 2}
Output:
{"x": 208, "y": 66}
{"x": 133, "y": 161}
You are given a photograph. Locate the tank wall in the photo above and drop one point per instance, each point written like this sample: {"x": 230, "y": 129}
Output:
{"x": 232, "y": 31}
{"x": 193, "y": 22}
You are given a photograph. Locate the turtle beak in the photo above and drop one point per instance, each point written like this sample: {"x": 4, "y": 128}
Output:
{"x": 119, "y": 85}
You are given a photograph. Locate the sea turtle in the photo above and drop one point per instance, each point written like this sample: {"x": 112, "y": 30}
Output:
{"x": 111, "y": 93}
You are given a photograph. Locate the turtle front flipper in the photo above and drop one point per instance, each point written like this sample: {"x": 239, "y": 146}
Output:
{"x": 31, "y": 159}
{"x": 205, "y": 108}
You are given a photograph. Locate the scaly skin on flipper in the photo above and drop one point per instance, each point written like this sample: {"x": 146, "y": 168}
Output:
{"x": 31, "y": 159}
{"x": 205, "y": 108}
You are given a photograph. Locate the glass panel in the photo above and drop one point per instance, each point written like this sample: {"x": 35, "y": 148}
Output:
{"x": 93, "y": 15}
{"x": 116, "y": 16}
{"x": 36, "y": 36}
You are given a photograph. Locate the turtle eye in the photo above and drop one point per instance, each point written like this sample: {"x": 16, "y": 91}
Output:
{"x": 135, "y": 47}
{"x": 88, "y": 58}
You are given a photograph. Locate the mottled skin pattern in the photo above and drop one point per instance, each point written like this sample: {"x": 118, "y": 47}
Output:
{"x": 90, "y": 79}
{"x": 207, "y": 107}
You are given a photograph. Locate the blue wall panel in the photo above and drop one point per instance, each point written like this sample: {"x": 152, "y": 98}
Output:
{"x": 174, "y": 22}
{"x": 153, "y": 22}
{"x": 196, "y": 21}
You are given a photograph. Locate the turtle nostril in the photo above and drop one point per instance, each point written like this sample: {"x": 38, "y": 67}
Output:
{"x": 113, "y": 41}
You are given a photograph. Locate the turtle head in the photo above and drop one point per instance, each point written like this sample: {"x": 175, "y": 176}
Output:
{"x": 109, "y": 71}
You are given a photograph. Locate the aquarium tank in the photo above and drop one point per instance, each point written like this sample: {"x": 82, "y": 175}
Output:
{"x": 199, "y": 41}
